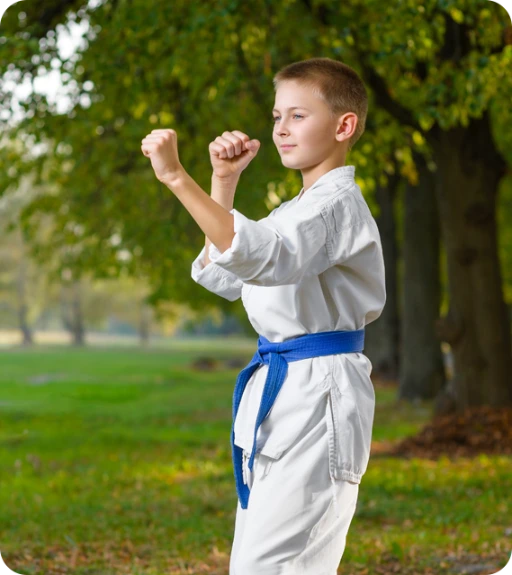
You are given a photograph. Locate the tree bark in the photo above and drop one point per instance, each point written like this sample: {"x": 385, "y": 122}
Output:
{"x": 477, "y": 325}
{"x": 382, "y": 337}
{"x": 422, "y": 373}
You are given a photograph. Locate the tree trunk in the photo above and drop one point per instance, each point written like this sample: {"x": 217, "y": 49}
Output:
{"x": 382, "y": 335}
{"x": 64, "y": 308}
{"x": 77, "y": 315}
{"x": 477, "y": 326}
{"x": 144, "y": 323}
{"x": 422, "y": 372}
{"x": 72, "y": 314}
{"x": 22, "y": 303}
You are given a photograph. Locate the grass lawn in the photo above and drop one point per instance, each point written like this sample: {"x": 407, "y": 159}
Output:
{"x": 118, "y": 461}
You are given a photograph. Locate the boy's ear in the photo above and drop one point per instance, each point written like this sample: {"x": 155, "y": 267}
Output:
{"x": 347, "y": 125}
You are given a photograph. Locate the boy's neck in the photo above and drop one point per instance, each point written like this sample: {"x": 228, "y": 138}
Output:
{"x": 311, "y": 175}
{"x": 310, "y": 181}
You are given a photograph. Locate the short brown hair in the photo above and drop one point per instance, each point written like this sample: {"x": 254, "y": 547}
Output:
{"x": 337, "y": 84}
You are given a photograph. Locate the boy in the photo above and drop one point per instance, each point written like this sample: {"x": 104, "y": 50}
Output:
{"x": 311, "y": 276}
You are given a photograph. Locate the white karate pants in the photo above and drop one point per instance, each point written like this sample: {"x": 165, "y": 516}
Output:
{"x": 298, "y": 516}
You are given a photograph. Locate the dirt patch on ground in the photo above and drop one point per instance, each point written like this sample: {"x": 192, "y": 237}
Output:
{"x": 478, "y": 430}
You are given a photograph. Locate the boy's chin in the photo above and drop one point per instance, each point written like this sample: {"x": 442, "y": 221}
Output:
{"x": 289, "y": 162}
{"x": 292, "y": 165}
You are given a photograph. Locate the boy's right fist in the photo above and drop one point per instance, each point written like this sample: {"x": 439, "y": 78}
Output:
{"x": 231, "y": 153}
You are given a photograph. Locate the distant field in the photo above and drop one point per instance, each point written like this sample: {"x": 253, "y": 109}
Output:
{"x": 13, "y": 338}
{"x": 117, "y": 460}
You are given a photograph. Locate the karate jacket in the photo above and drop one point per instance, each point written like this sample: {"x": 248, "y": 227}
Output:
{"x": 314, "y": 264}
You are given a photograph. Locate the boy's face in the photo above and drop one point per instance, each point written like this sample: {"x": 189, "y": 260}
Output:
{"x": 309, "y": 128}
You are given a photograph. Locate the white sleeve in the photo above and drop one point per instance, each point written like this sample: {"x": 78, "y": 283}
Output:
{"x": 214, "y": 278}
{"x": 276, "y": 250}
{"x": 353, "y": 236}
{"x": 359, "y": 242}
{"x": 358, "y": 248}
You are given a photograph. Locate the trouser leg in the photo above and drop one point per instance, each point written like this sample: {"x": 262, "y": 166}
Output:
{"x": 294, "y": 524}
{"x": 241, "y": 514}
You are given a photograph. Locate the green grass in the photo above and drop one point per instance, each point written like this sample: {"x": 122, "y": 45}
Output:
{"x": 119, "y": 461}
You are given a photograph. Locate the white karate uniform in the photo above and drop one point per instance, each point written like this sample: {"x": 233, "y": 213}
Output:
{"x": 314, "y": 264}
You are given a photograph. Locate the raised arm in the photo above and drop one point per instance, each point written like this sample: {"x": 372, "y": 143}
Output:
{"x": 223, "y": 192}
{"x": 161, "y": 147}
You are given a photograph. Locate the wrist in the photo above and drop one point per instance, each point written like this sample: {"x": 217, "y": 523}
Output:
{"x": 224, "y": 185}
{"x": 172, "y": 179}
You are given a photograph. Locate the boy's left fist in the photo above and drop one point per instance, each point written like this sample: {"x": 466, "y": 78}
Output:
{"x": 161, "y": 147}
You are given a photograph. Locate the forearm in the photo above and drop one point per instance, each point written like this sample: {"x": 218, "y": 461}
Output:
{"x": 214, "y": 220}
{"x": 223, "y": 192}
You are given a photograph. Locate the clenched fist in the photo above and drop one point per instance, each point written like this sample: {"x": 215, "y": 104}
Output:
{"x": 161, "y": 147}
{"x": 231, "y": 153}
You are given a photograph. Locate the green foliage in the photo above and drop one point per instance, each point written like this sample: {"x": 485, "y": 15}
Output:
{"x": 203, "y": 69}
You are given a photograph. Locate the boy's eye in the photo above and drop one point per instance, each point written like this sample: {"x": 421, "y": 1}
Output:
{"x": 277, "y": 117}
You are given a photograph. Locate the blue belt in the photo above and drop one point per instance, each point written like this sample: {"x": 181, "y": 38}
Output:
{"x": 276, "y": 356}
